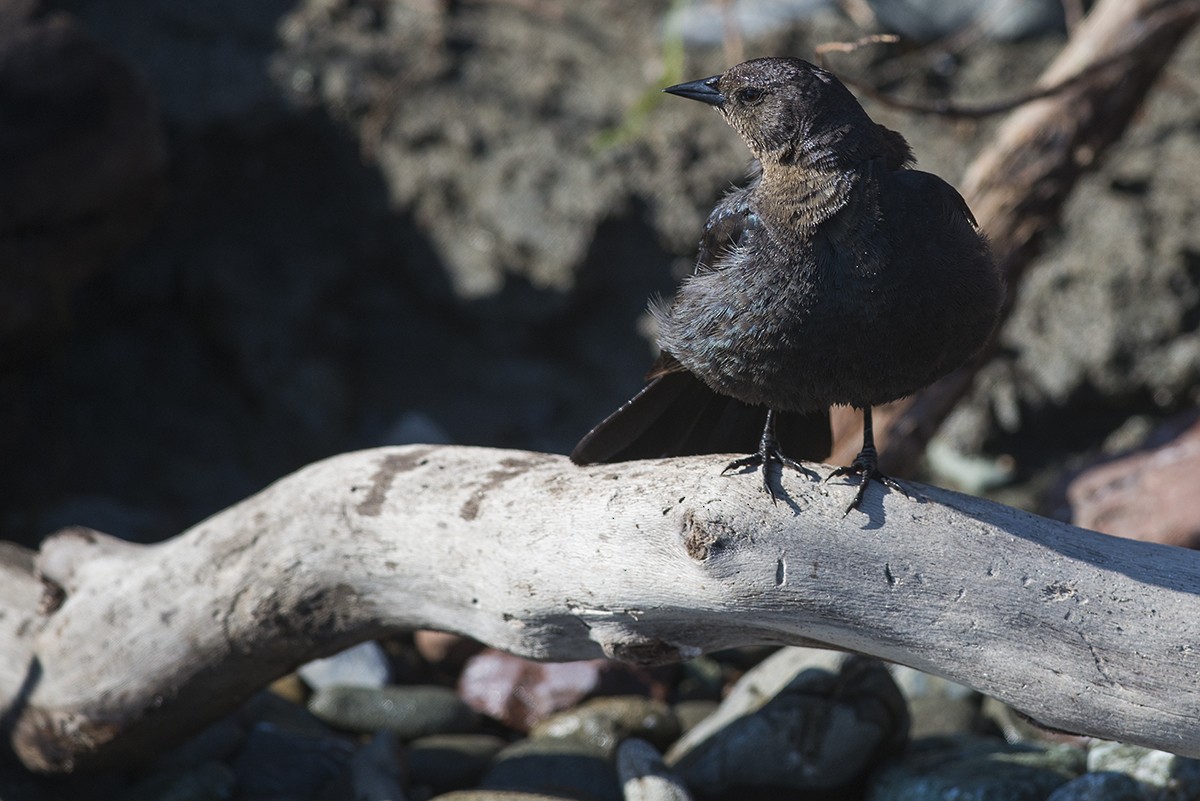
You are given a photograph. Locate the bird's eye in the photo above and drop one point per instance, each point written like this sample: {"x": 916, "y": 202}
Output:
{"x": 749, "y": 95}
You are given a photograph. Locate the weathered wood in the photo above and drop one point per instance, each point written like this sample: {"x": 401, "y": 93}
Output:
{"x": 645, "y": 561}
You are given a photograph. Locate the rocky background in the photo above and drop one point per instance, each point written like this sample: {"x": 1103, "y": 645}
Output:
{"x": 237, "y": 237}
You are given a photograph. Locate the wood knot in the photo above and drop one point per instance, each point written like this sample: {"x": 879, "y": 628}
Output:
{"x": 703, "y": 537}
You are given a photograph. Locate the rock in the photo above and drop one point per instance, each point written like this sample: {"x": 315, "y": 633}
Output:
{"x": 937, "y": 706}
{"x": 555, "y": 767}
{"x": 409, "y": 711}
{"x": 496, "y": 795}
{"x": 291, "y": 689}
{"x": 977, "y": 768}
{"x": 803, "y": 719}
{"x": 520, "y": 692}
{"x": 700, "y": 678}
{"x": 212, "y": 781}
{"x": 362, "y": 665}
{"x": 445, "y": 762}
{"x": 603, "y": 723}
{"x": 212, "y": 744}
{"x": 373, "y": 774}
{"x": 691, "y": 713}
{"x": 269, "y": 708}
{"x": 1148, "y": 494}
{"x": 1167, "y": 777}
{"x": 1103, "y": 786}
{"x": 643, "y": 775}
{"x": 274, "y": 764}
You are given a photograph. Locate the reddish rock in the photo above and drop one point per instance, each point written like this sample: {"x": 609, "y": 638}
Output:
{"x": 520, "y": 692}
{"x": 1149, "y": 494}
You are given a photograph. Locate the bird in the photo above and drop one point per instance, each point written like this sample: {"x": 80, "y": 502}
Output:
{"x": 839, "y": 275}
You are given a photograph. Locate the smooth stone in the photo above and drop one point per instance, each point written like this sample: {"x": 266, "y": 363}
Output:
{"x": 410, "y": 711}
{"x": 275, "y": 764}
{"x": 968, "y": 767}
{"x": 942, "y": 716}
{"x": 604, "y": 722}
{"x": 373, "y": 774}
{"x": 445, "y": 762}
{"x": 363, "y": 665}
{"x": 553, "y": 766}
{"x": 644, "y": 776}
{"x": 691, "y": 714}
{"x": 1103, "y": 786}
{"x": 700, "y": 678}
{"x": 291, "y": 689}
{"x": 1175, "y": 778}
{"x": 266, "y": 707}
{"x": 212, "y": 744}
{"x": 213, "y": 781}
{"x": 520, "y": 692}
{"x": 495, "y": 795}
{"x": 794, "y": 723}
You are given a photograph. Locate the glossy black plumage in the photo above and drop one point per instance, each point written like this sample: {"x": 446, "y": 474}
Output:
{"x": 838, "y": 276}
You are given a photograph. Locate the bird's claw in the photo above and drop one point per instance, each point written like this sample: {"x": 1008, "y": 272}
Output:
{"x": 764, "y": 458}
{"x": 866, "y": 470}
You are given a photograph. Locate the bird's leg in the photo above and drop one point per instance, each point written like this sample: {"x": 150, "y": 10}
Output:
{"x": 865, "y": 465}
{"x": 768, "y": 453}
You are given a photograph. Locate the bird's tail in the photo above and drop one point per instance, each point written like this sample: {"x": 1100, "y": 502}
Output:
{"x": 676, "y": 414}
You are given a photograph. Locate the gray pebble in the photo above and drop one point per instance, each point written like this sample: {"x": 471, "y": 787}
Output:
{"x": 495, "y": 795}
{"x": 643, "y": 775}
{"x": 1104, "y": 786}
{"x": 976, "y": 768}
{"x": 363, "y": 665}
{"x": 212, "y": 781}
{"x": 792, "y": 722}
{"x": 550, "y": 765}
{"x": 409, "y": 711}
{"x": 1166, "y": 776}
{"x": 603, "y": 722}
{"x": 274, "y": 764}
{"x": 445, "y": 762}
{"x": 375, "y": 771}
{"x": 691, "y": 713}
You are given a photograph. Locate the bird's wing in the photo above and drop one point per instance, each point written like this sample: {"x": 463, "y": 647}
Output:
{"x": 730, "y": 225}
{"x": 928, "y": 185}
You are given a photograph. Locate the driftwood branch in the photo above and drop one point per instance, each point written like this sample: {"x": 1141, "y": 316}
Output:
{"x": 1019, "y": 182}
{"x": 124, "y": 648}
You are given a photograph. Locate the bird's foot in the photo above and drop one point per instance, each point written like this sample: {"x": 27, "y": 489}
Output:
{"x": 866, "y": 467}
{"x": 766, "y": 456}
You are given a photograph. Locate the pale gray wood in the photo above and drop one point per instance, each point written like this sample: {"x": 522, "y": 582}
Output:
{"x": 647, "y": 561}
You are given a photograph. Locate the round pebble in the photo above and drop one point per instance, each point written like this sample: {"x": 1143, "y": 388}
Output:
{"x": 409, "y": 712}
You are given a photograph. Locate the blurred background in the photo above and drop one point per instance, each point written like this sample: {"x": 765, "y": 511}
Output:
{"x": 239, "y": 237}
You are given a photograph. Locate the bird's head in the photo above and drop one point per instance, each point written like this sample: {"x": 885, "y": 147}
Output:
{"x": 788, "y": 111}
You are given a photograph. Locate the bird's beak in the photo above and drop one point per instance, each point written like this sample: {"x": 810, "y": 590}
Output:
{"x": 704, "y": 90}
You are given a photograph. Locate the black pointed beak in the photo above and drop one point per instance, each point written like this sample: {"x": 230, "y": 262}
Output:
{"x": 704, "y": 90}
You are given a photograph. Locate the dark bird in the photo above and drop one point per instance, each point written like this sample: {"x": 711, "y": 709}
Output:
{"x": 838, "y": 276}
